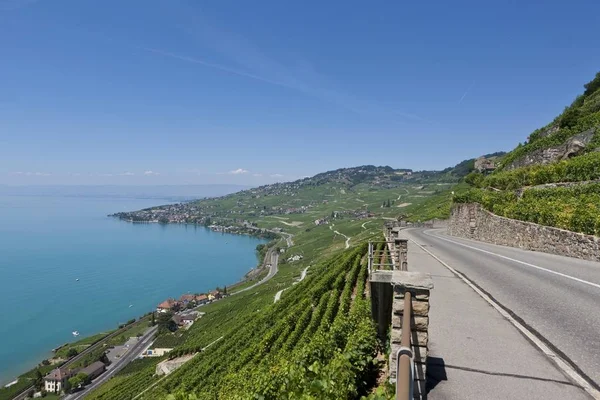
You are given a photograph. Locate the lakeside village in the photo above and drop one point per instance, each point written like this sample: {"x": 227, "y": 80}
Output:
{"x": 170, "y": 315}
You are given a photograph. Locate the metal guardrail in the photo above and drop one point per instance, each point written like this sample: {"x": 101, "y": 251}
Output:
{"x": 396, "y": 252}
{"x": 404, "y": 355}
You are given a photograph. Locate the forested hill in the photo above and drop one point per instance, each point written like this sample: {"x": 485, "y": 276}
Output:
{"x": 554, "y": 177}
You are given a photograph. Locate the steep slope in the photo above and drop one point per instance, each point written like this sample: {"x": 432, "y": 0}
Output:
{"x": 320, "y": 331}
{"x": 553, "y": 178}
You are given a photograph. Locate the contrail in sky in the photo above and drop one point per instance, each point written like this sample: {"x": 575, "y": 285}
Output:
{"x": 465, "y": 93}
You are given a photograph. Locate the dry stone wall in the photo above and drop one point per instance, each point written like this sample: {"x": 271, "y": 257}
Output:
{"x": 473, "y": 222}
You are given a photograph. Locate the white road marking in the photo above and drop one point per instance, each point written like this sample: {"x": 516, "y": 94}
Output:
{"x": 558, "y": 361}
{"x": 518, "y": 261}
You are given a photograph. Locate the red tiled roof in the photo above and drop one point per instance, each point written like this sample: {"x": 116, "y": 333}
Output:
{"x": 187, "y": 297}
{"x": 201, "y": 297}
{"x": 167, "y": 304}
{"x": 58, "y": 374}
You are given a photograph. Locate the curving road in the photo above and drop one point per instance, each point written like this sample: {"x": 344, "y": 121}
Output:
{"x": 274, "y": 257}
{"x": 558, "y": 297}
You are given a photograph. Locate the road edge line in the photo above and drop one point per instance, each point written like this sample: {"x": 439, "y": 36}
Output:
{"x": 561, "y": 364}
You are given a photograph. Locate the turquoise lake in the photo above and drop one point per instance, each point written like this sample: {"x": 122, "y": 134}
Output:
{"x": 47, "y": 243}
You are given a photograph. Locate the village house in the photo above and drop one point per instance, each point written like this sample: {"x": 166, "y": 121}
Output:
{"x": 158, "y": 352}
{"x": 167, "y": 305}
{"x": 178, "y": 320}
{"x": 54, "y": 382}
{"x": 214, "y": 295}
{"x": 201, "y": 299}
{"x": 187, "y": 298}
{"x": 94, "y": 369}
{"x": 188, "y": 320}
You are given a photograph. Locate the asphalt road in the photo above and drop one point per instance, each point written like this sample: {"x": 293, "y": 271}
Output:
{"x": 274, "y": 257}
{"x": 558, "y": 297}
{"x": 131, "y": 354}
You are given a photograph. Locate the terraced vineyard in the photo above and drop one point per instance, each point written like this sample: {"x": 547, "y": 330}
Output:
{"x": 317, "y": 341}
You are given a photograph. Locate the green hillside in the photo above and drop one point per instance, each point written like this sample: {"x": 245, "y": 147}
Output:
{"x": 553, "y": 178}
{"x": 318, "y": 340}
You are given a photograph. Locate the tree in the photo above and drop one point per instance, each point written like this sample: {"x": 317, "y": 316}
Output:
{"x": 78, "y": 381}
{"x": 72, "y": 352}
{"x": 166, "y": 323}
{"x": 225, "y": 287}
{"x": 38, "y": 380}
{"x": 67, "y": 386}
{"x": 153, "y": 320}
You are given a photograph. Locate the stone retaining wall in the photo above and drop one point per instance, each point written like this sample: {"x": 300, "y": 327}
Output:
{"x": 473, "y": 222}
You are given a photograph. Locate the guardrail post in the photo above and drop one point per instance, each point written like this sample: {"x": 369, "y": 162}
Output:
{"x": 370, "y": 266}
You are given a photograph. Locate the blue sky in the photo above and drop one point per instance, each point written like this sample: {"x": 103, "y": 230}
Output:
{"x": 176, "y": 91}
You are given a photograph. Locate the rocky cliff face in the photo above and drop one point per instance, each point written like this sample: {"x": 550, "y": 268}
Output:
{"x": 574, "y": 146}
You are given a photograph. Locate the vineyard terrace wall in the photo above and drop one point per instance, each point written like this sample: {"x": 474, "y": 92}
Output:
{"x": 470, "y": 220}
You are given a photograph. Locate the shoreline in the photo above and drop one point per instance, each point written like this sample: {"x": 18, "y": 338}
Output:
{"x": 16, "y": 378}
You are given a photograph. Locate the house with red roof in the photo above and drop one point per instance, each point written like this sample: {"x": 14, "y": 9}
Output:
{"x": 55, "y": 381}
{"x": 187, "y": 298}
{"x": 168, "y": 305}
{"x": 201, "y": 299}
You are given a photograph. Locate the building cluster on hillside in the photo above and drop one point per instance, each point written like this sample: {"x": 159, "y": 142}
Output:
{"x": 171, "y": 214}
{"x": 187, "y": 301}
{"x": 56, "y": 380}
{"x": 228, "y": 213}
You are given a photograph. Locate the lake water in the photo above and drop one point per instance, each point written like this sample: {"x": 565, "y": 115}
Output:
{"x": 46, "y": 243}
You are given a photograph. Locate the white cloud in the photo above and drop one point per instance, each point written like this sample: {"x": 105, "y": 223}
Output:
{"x": 150, "y": 173}
{"x": 238, "y": 171}
{"x": 276, "y": 176}
{"x": 21, "y": 173}
{"x": 127, "y": 174}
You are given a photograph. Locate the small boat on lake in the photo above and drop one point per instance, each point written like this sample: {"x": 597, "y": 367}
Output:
{"x": 75, "y": 333}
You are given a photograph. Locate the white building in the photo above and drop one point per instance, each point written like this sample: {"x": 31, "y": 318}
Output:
{"x": 54, "y": 382}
